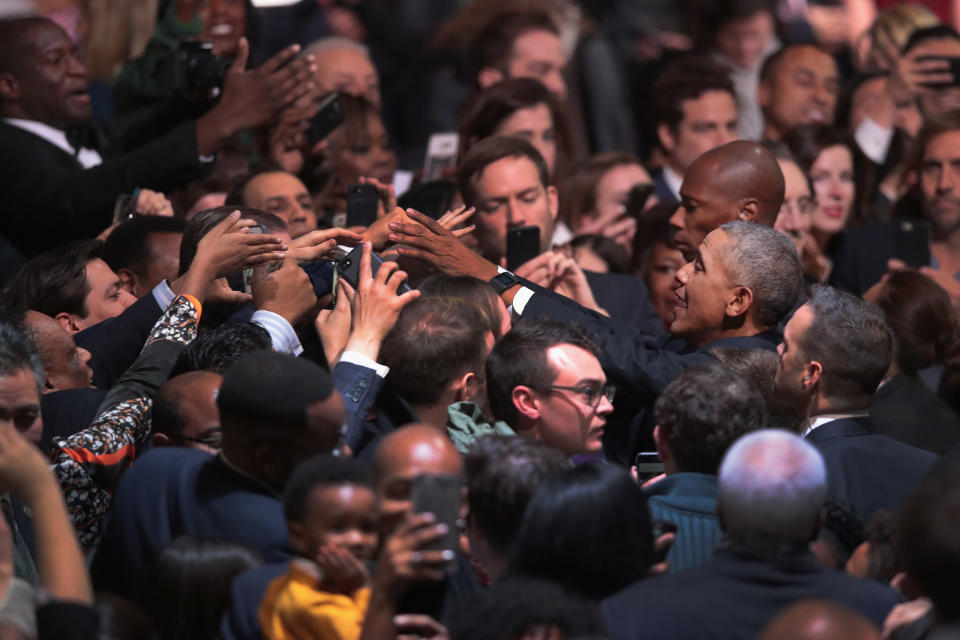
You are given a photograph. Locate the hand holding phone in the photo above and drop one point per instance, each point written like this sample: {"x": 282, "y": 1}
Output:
{"x": 523, "y": 245}
{"x": 328, "y": 117}
{"x": 362, "y": 203}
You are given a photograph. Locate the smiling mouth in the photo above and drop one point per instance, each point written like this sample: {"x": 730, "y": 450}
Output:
{"x": 221, "y": 30}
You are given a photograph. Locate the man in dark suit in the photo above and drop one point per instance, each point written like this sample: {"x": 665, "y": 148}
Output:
{"x": 275, "y": 411}
{"x": 695, "y": 110}
{"x": 61, "y": 176}
{"x": 772, "y": 486}
{"x": 835, "y": 351}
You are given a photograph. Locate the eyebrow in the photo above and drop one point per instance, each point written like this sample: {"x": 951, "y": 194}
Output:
{"x": 595, "y": 381}
{"x": 272, "y": 199}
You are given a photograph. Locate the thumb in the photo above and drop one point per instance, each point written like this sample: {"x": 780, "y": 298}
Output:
{"x": 895, "y": 264}
{"x": 243, "y": 53}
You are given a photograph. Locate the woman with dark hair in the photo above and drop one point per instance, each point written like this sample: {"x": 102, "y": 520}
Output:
{"x": 826, "y": 156}
{"x": 522, "y": 108}
{"x": 655, "y": 260}
{"x": 359, "y": 147}
{"x": 191, "y": 585}
{"x": 587, "y": 529}
{"x": 595, "y": 196}
{"x": 925, "y": 334}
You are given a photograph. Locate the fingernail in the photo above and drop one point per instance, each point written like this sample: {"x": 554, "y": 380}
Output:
{"x": 447, "y": 555}
{"x": 393, "y": 225}
{"x": 429, "y": 517}
{"x": 442, "y": 528}
{"x": 394, "y": 237}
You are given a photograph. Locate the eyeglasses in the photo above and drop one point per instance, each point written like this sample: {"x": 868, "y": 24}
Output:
{"x": 214, "y": 439}
{"x": 803, "y": 204}
{"x": 591, "y": 394}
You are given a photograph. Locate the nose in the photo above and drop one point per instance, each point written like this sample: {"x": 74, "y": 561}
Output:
{"x": 297, "y": 215}
{"x": 605, "y": 407}
{"x": 126, "y": 298}
{"x": 682, "y": 276}
{"x": 676, "y": 220}
{"x": 555, "y": 83}
{"x": 515, "y": 214}
{"x": 945, "y": 184}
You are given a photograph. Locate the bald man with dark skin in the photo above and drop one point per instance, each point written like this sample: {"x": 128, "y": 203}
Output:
{"x": 819, "y": 620}
{"x": 66, "y": 365}
{"x": 185, "y": 412}
{"x": 740, "y": 180}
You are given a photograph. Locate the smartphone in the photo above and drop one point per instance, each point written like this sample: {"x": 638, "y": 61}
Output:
{"x": 440, "y": 495}
{"x": 523, "y": 245}
{"x": 248, "y": 272}
{"x": 637, "y": 198}
{"x": 441, "y": 155}
{"x": 648, "y": 465}
{"x": 913, "y": 243}
{"x": 362, "y": 202}
{"x": 328, "y": 117}
{"x": 348, "y": 268}
{"x": 125, "y": 207}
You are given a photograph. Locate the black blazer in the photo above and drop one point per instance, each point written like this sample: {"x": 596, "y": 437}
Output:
{"x": 626, "y": 299}
{"x": 50, "y": 199}
{"x": 869, "y": 470}
{"x": 734, "y": 596}
{"x": 861, "y": 258}
{"x": 905, "y": 409}
{"x": 662, "y": 190}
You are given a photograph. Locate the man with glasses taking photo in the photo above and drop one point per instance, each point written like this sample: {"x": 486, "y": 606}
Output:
{"x": 544, "y": 379}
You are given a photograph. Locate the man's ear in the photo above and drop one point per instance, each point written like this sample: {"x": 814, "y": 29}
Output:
{"x": 749, "y": 210}
{"x": 466, "y": 387}
{"x": 9, "y": 87}
{"x": 68, "y": 321}
{"x": 553, "y": 201}
{"x": 667, "y": 140}
{"x": 162, "y": 440}
{"x": 489, "y": 76}
{"x": 48, "y": 386}
{"x": 526, "y": 402}
{"x": 740, "y": 303}
{"x": 812, "y": 374}
{"x": 662, "y": 444}
{"x": 128, "y": 280}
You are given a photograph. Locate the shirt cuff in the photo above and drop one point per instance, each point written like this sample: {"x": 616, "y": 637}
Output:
{"x": 520, "y": 300}
{"x": 163, "y": 294}
{"x": 282, "y": 335}
{"x": 873, "y": 140}
{"x": 357, "y": 358}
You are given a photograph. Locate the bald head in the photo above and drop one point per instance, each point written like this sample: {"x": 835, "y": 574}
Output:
{"x": 740, "y": 180}
{"x": 819, "y": 620}
{"x": 401, "y": 456}
{"x": 185, "y": 412}
{"x": 65, "y": 364}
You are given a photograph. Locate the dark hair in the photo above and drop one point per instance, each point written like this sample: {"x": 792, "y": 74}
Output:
{"x": 434, "y": 341}
{"x": 479, "y": 292}
{"x": 490, "y": 150}
{"x": 851, "y": 339}
{"x": 121, "y": 619}
{"x": 503, "y": 473}
{"x": 215, "y": 350}
{"x": 190, "y": 588}
{"x": 933, "y": 127}
{"x": 487, "y": 110}
{"x": 207, "y": 219}
{"x": 842, "y": 530}
{"x": 56, "y": 281}
{"x": 520, "y": 358}
{"x": 707, "y": 17}
{"x": 771, "y": 66}
{"x": 588, "y": 529}
{"x": 128, "y": 245}
{"x": 759, "y": 366}
{"x": 18, "y": 353}
{"x": 653, "y": 228}
{"x": 322, "y": 470}
{"x": 921, "y": 317}
{"x": 580, "y": 189}
{"x": 687, "y": 78}
{"x": 493, "y": 45}
{"x": 517, "y": 605}
{"x": 936, "y": 32}
{"x": 929, "y": 541}
{"x": 236, "y": 194}
{"x": 884, "y": 558}
{"x": 607, "y": 249}
{"x": 703, "y": 411}
{"x": 165, "y": 414}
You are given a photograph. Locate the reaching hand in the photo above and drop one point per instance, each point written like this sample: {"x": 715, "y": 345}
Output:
{"x": 333, "y": 325}
{"x": 153, "y": 203}
{"x": 452, "y": 220}
{"x": 388, "y": 197}
{"x": 404, "y": 559}
{"x": 321, "y": 244}
{"x": 287, "y": 291}
{"x": 559, "y": 272}
{"x": 229, "y": 247}
{"x": 425, "y": 239}
{"x": 378, "y": 234}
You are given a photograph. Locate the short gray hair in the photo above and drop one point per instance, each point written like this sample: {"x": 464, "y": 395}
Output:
{"x": 773, "y": 483}
{"x": 332, "y": 43}
{"x": 766, "y": 262}
{"x": 18, "y": 353}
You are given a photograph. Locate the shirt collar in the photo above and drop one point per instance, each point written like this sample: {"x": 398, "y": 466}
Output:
{"x": 673, "y": 180}
{"x": 257, "y": 481}
{"x": 819, "y": 421}
{"x": 58, "y": 138}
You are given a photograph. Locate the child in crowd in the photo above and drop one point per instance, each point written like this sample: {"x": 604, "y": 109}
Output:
{"x": 331, "y": 516}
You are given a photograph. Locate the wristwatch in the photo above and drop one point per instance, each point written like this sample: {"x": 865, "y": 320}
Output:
{"x": 503, "y": 281}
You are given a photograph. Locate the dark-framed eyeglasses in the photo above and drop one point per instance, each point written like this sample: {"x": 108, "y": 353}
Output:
{"x": 213, "y": 439}
{"x": 592, "y": 395}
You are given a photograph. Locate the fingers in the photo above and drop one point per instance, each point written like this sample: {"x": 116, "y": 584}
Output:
{"x": 277, "y": 61}
{"x": 396, "y": 278}
{"x": 243, "y": 53}
{"x": 459, "y": 233}
{"x": 426, "y": 221}
{"x": 230, "y": 223}
{"x": 365, "y": 274}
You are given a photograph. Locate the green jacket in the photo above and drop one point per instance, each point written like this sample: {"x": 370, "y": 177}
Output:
{"x": 466, "y": 424}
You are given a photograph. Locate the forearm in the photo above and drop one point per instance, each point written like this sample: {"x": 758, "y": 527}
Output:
{"x": 378, "y": 625}
{"x": 211, "y": 133}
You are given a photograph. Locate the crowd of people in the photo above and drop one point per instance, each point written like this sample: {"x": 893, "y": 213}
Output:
{"x": 558, "y": 319}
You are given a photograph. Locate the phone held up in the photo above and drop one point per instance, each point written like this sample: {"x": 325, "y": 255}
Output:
{"x": 523, "y": 245}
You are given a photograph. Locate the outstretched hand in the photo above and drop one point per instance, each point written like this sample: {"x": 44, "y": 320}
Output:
{"x": 427, "y": 240}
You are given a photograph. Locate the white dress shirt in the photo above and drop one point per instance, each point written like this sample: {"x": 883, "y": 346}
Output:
{"x": 88, "y": 158}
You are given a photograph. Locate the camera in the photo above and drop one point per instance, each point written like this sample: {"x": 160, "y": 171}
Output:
{"x": 196, "y": 72}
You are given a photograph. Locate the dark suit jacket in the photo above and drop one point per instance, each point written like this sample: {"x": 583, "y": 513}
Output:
{"x": 734, "y": 596}
{"x": 50, "y": 199}
{"x": 115, "y": 343}
{"x": 868, "y": 470}
{"x": 662, "y": 190}
{"x": 862, "y": 254}
{"x": 67, "y": 412}
{"x": 174, "y": 491}
{"x": 626, "y": 299}
{"x": 905, "y": 409}
{"x": 241, "y": 620}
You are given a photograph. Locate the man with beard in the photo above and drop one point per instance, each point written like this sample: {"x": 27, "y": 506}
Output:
{"x": 869, "y": 252}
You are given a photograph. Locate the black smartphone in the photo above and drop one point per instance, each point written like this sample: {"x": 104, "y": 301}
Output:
{"x": 362, "y": 201}
{"x": 328, "y": 117}
{"x": 913, "y": 243}
{"x": 125, "y": 207}
{"x": 440, "y": 495}
{"x": 648, "y": 465}
{"x": 348, "y": 268}
{"x": 523, "y": 245}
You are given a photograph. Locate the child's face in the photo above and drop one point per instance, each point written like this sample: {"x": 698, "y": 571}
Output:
{"x": 343, "y": 515}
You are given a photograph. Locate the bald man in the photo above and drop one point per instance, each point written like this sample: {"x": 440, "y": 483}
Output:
{"x": 66, "y": 365}
{"x": 282, "y": 194}
{"x": 740, "y": 180}
{"x": 185, "y": 412}
{"x": 819, "y": 620}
